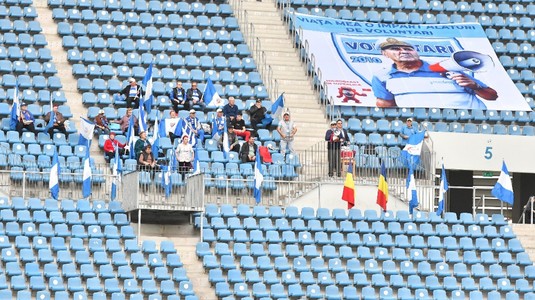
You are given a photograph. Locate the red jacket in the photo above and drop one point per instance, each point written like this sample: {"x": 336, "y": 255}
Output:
{"x": 109, "y": 147}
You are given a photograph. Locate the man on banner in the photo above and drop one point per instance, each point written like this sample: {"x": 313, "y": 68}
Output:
{"x": 503, "y": 189}
{"x": 412, "y": 82}
{"x": 348, "y": 194}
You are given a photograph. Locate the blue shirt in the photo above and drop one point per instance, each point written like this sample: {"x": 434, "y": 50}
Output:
{"x": 230, "y": 111}
{"x": 218, "y": 126}
{"x": 425, "y": 88}
{"x": 193, "y": 122}
{"x": 408, "y": 131}
{"x": 27, "y": 115}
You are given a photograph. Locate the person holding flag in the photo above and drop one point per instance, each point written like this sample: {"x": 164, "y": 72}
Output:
{"x": 15, "y": 110}
{"x": 232, "y": 140}
{"x": 195, "y": 125}
{"x": 257, "y": 113}
{"x": 193, "y": 96}
{"x": 185, "y": 155}
{"x": 218, "y": 125}
{"x": 26, "y": 120}
{"x": 133, "y": 92}
{"x": 59, "y": 121}
{"x": 124, "y": 122}
{"x": 111, "y": 145}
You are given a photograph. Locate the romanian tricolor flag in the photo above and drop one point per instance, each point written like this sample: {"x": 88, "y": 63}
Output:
{"x": 348, "y": 195}
{"x": 382, "y": 189}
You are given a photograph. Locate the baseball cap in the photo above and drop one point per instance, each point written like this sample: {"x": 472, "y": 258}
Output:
{"x": 101, "y": 111}
{"x": 219, "y": 110}
{"x": 286, "y": 113}
{"x": 23, "y": 104}
{"x": 333, "y": 122}
{"x": 142, "y": 131}
{"x": 393, "y": 42}
{"x": 258, "y": 101}
{"x": 191, "y": 111}
{"x": 409, "y": 119}
{"x": 131, "y": 79}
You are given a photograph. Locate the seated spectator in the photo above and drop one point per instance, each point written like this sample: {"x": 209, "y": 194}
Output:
{"x": 110, "y": 145}
{"x": 239, "y": 127}
{"x": 230, "y": 110}
{"x": 193, "y": 96}
{"x": 26, "y": 120}
{"x": 102, "y": 123}
{"x": 146, "y": 160}
{"x": 178, "y": 97}
{"x": 257, "y": 113}
{"x": 133, "y": 92}
{"x": 234, "y": 144}
{"x": 195, "y": 125}
{"x": 172, "y": 122}
{"x": 59, "y": 121}
{"x": 218, "y": 125}
{"x": 124, "y": 122}
{"x": 141, "y": 143}
{"x": 248, "y": 151}
{"x": 185, "y": 156}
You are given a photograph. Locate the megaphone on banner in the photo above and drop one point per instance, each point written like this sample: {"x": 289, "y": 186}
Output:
{"x": 464, "y": 60}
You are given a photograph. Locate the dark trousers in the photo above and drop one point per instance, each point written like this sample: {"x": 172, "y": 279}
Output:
{"x": 132, "y": 102}
{"x": 30, "y": 127}
{"x": 333, "y": 156}
{"x": 183, "y": 168}
{"x": 111, "y": 155}
{"x": 59, "y": 127}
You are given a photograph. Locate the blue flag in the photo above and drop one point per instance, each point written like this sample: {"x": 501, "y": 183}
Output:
{"x": 130, "y": 135}
{"x": 52, "y": 119}
{"x": 442, "y": 191}
{"x": 503, "y": 189}
{"x": 278, "y": 107}
{"x": 147, "y": 82}
{"x": 53, "y": 183}
{"x": 196, "y": 163}
{"x": 86, "y": 176}
{"x": 211, "y": 96}
{"x": 156, "y": 138}
{"x": 87, "y": 128}
{"x": 116, "y": 172}
{"x": 15, "y": 109}
{"x": 412, "y": 194}
{"x": 166, "y": 180}
{"x": 258, "y": 178}
{"x": 142, "y": 119}
{"x": 410, "y": 155}
{"x": 226, "y": 143}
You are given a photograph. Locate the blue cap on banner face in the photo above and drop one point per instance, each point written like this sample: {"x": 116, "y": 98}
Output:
{"x": 390, "y": 42}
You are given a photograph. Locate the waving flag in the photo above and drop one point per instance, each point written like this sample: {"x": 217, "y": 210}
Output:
{"x": 503, "y": 189}
{"x": 258, "y": 178}
{"x": 155, "y": 139}
{"x": 410, "y": 154}
{"x": 187, "y": 130}
{"x": 130, "y": 138}
{"x": 52, "y": 119}
{"x": 412, "y": 194}
{"x": 277, "y": 107}
{"x": 382, "y": 189}
{"x": 116, "y": 172}
{"x": 226, "y": 143}
{"x": 15, "y": 109}
{"x": 147, "y": 82}
{"x": 53, "y": 183}
{"x": 142, "y": 119}
{"x": 86, "y": 176}
{"x": 348, "y": 194}
{"x": 196, "y": 163}
{"x": 178, "y": 127}
{"x": 87, "y": 128}
{"x": 442, "y": 191}
{"x": 166, "y": 180}
{"x": 211, "y": 96}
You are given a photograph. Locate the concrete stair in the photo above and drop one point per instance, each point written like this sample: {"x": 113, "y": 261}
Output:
{"x": 288, "y": 70}
{"x": 524, "y": 232}
{"x": 69, "y": 82}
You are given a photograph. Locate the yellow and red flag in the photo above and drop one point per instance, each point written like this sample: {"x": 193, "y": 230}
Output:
{"x": 348, "y": 194}
{"x": 382, "y": 189}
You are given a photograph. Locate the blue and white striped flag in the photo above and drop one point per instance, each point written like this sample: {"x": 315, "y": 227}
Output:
{"x": 155, "y": 139}
{"x": 166, "y": 180}
{"x": 116, "y": 172}
{"x": 15, "y": 109}
{"x": 53, "y": 183}
{"x": 410, "y": 155}
{"x": 226, "y": 143}
{"x": 87, "y": 128}
{"x": 258, "y": 178}
{"x": 187, "y": 130}
{"x": 211, "y": 96}
{"x": 196, "y": 163}
{"x": 442, "y": 191}
{"x": 412, "y": 194}
{"x": 86, "y": 176}
{"x": 142, "y": 118}
{"x": 278, "y": 107}
{"x": 503, "y": 189}
{"x": 147, "y": 82}
{"x": 130, "y": 137}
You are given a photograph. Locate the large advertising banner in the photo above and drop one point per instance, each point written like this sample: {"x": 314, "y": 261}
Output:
{"x": 406, "y": 65}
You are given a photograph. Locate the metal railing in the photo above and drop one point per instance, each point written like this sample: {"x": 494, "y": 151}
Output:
{"x": 529, "y": 208}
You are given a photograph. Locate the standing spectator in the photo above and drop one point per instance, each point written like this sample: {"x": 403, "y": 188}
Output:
{"x": 407, "y": 130}
{"x": 248, "y": 151}
{"x": 239, "y": 127}
{"x": 133, "y": 92}
{"x": 124, "y": 122}
{"x": 257, "y": 113}
{"x": 184, "y": 155}
{"x": 333, "y": 149}
{"x": 287, "y": 130}
{"x": 110, "y": 145}
{"x": 193, "y": 96}
{"x": 172, "y": 124}
{"x": 230, "y": 110}
{"x": 146, "y": 161}
{"x": 344, "y": 137}
{"x": 178, "y": 96}
{"x": 59, "y": 121}
{"x": 141, "y": 143}
{"x": 195, "y": 125}
{"x": 234, "y": 144}
{"x": 218, "y": 125}
{"x": 102, "y": 123}
{"x": 26, "y": 120}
